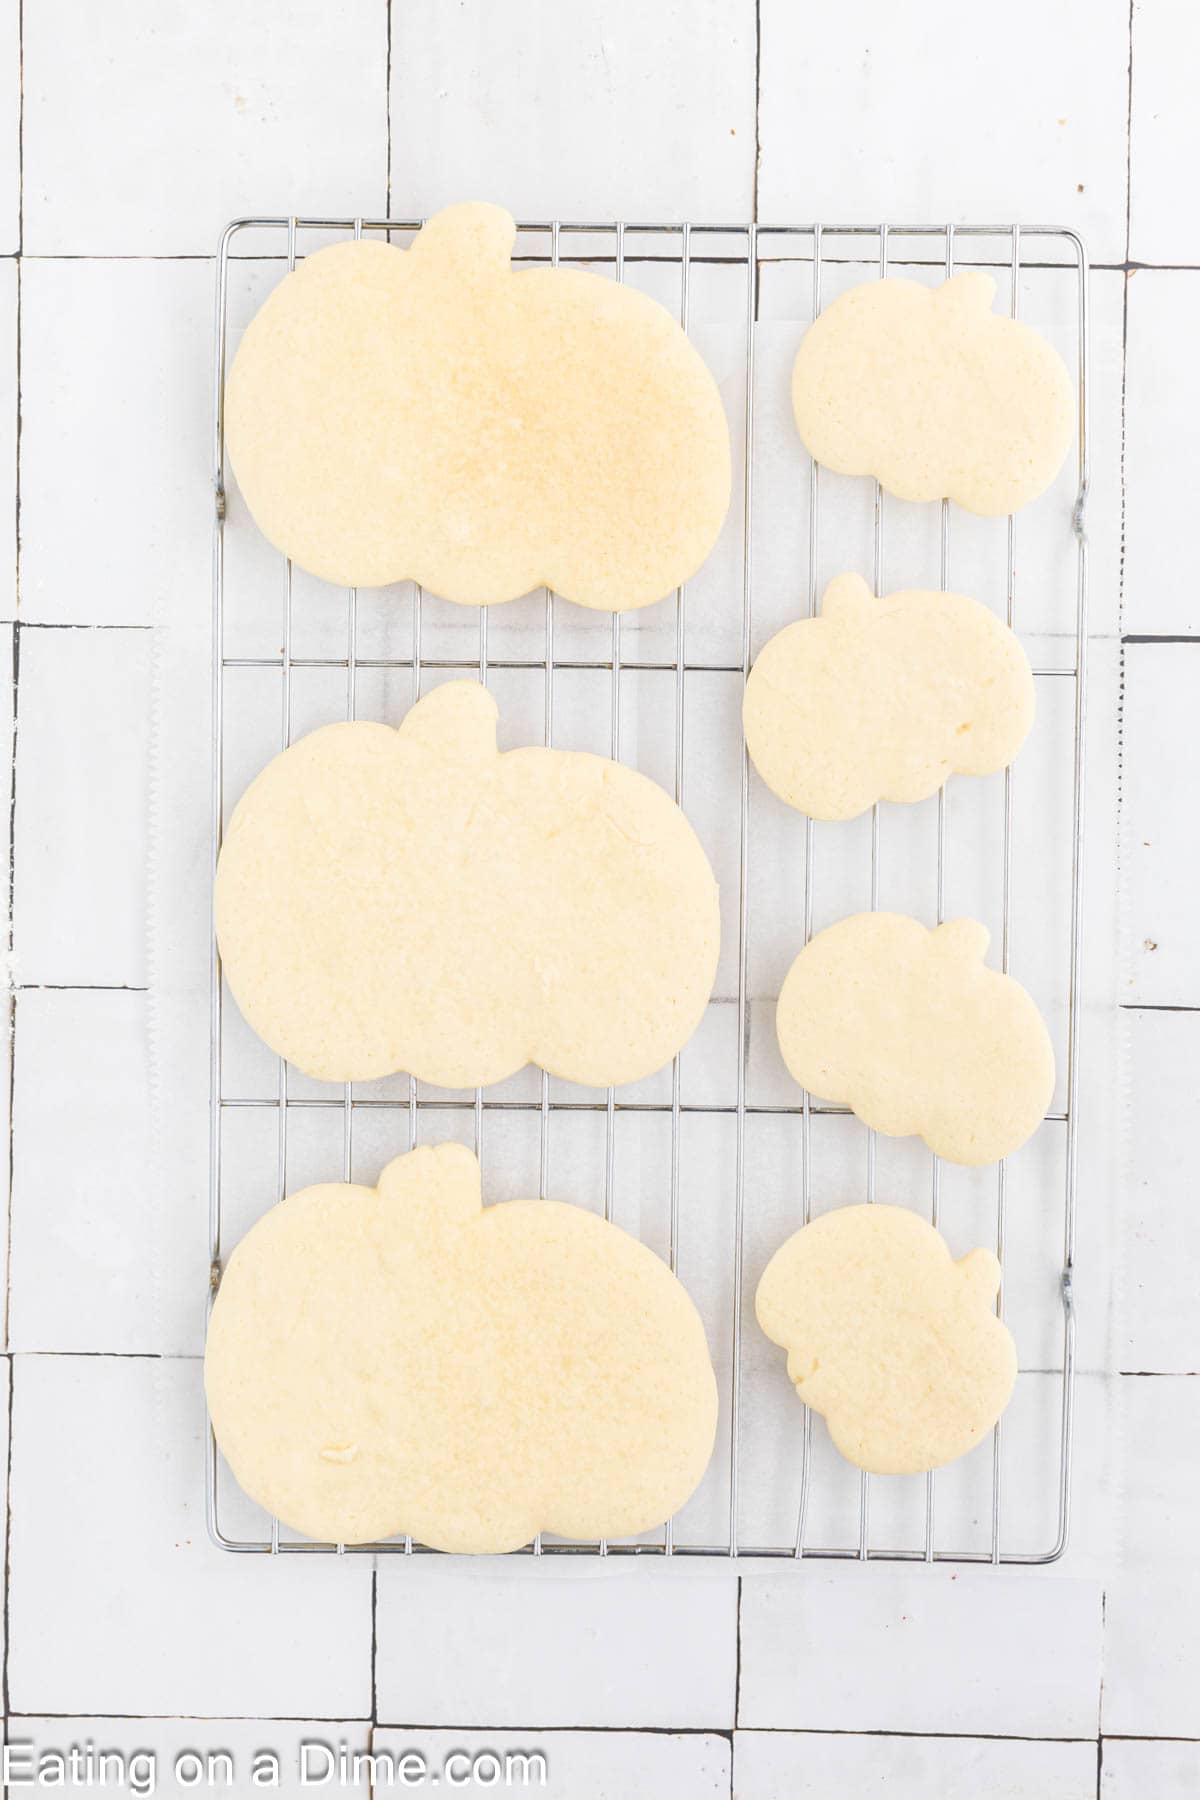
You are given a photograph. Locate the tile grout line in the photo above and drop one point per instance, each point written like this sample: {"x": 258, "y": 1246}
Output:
{"x": 193, "y": 1356}
{"x": 387, "y": 211}
{"x": 1124, "y": 379}
{"x": 680, "y": 1731}
{"x": 1158, "y": 1374}
{"x": 713, "y": 1731}
{"x": 950, "y": 1737}
{"x": 185, "y": 1718}
{"x": 1135, "y": 1737}
{"x": 373, "y": 1721}
{"x": 374, "y": 1646}
{"x": 737, "y": 1695}
{"x": 1100, "y": 1696}
{"x": 737, "y": 1669}
{"x": 20, "y": 129}
{"x": 683, "y": 1731}
{"x": 77, "y": 987}
{"x": 1153, "y": 1006}
{"x": 1129, "y": 143}
{"x": 710, "y": 1731}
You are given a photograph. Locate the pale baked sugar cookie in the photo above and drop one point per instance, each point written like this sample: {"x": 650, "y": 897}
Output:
{"x": 434, "y": 414}
{"x": 894, "y": 1343}
{"x": 934, "y": 394}
{"x": 884, "y": 699}
{"x": 910, "y": 1030}
{"x": 414, "y": 900}
{"x": 401, "y": 1359}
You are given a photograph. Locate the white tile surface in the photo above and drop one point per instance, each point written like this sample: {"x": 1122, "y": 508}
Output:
{"x": 579, "y": 1765}
{"x": 962, "y": 1651}
{"x": 1161, "y": 1427}
{"x": 1103, "y": 1077}
{"x": 948, "y": 115}
{"x": 1162, "y": 458}
{"x": 118, "y": 1603}
{"x": 1152, "y": 1602}
{"x": 149, "y": 126}
{"x": 116, "y": 482}
{"x": 80, "y": 827}
{"x": 6, "y": 1003}
{"x": 9, "y": 278}
{"x": 643, "y": 1648}
{"x": 5, "y": 1387}
{"x": 1158, "y": 1327}
{"x": 181, "y": 1756}
{"x": 1165, "y": 1771}
{"x": 1160, "y": 767}
{"x": 780, "y": 1765}
{"x": 1152, "y": 1651}
{"x": 1165, "y": 133}
{"x": 1105, "y": 502}
{"x": 179, "y": 882}
{"x": 10, "y": 114}
{"x": 104, "y": 1256}
{"x": 580, "y": 110}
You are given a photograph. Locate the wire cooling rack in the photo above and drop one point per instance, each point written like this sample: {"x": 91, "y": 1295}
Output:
{"x": 724, "y": 1115}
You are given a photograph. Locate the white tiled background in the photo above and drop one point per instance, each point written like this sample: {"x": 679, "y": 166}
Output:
{"x": 129, "y": 134}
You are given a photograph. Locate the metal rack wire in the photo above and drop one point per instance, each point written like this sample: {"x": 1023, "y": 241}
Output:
{"x": 808, "y": 252}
